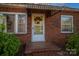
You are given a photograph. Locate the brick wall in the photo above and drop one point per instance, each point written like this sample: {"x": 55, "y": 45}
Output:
{"x": 23, "y": 37}
{"x": 12, "y": 9}
{"x": 52, "y": 25}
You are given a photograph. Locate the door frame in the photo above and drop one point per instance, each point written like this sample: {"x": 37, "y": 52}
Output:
{"x": 43, "y": 25}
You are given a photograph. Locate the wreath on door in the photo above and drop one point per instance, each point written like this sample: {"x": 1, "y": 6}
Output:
{"x": 37, "y": 20}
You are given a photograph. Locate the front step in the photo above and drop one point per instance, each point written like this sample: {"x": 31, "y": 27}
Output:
{"x": 45, "y": 50}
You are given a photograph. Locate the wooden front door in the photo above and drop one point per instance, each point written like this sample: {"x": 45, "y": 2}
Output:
{"x": 38, "y": 27}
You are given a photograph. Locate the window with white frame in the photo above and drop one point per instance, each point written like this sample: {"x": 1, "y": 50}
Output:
{"x": 66, "y": 24}
{"x": 21, "y": 23}
{"x": 15, "y": 23}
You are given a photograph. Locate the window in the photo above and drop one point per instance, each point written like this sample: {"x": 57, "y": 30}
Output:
{"x": 21, "y": 23}
{"x": 38, "y": 25}
{"x": 15, "y": 23}
{"x": 2, "y": 20}
{"x": 67, "y": 24}
{"x": 10, "y": 23}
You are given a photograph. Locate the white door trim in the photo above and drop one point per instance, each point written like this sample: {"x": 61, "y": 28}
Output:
{"x": 43, "y": 24}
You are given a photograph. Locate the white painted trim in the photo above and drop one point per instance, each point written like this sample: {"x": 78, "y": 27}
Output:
{"x": 72, "y": 25}
{"x": 5, "y": 26}
{"x": 43, "y": 23}
{"x": 16, "y": 21}
{"x": 11, "y": 13}
{"x": 17, "y": 25}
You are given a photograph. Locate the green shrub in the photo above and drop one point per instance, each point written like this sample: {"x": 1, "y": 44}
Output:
{"x": 9, "y": 44}
{"x": 73, "y": 42}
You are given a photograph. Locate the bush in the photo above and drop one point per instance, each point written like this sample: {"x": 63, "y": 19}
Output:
{"x": 9, "y": 44}
{"x": 73, "y": 42}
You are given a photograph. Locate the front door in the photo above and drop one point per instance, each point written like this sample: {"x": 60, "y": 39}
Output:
{"x": 38, "y": 27}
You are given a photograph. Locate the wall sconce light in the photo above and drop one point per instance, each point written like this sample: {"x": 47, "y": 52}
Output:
{"x": 48, "y": 14}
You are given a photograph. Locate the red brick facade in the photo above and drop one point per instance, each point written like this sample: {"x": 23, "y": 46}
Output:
{"x": 52, "y": 24}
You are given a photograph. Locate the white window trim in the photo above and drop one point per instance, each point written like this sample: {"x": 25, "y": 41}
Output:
{"x": 72, "y": 24}
{"x": 16, "y": 23}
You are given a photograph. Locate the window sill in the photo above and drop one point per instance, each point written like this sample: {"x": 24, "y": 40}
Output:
{"x": 67, "y": 32}
{"x": 20, "y": 33}
{"x": 15, "y": 33}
